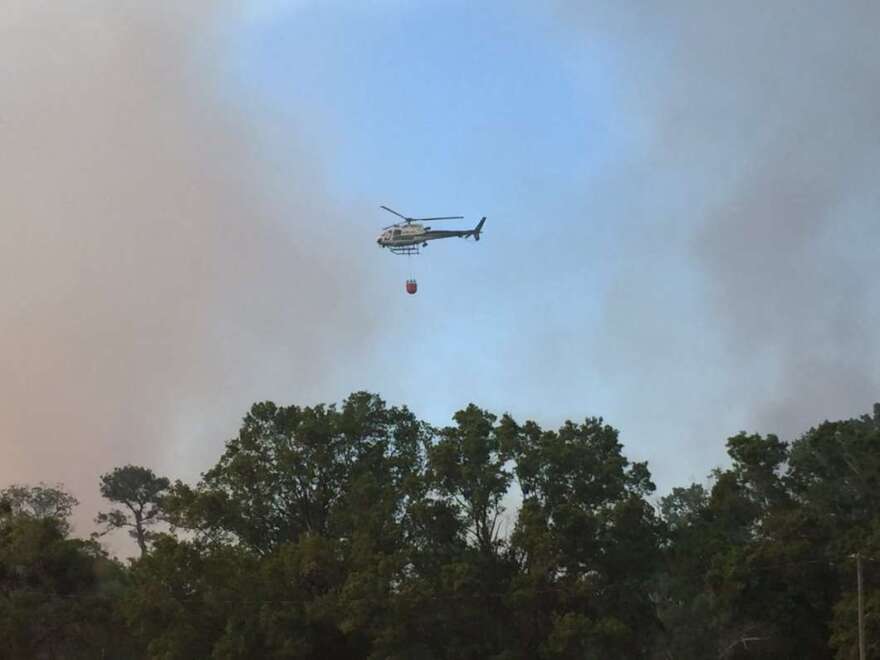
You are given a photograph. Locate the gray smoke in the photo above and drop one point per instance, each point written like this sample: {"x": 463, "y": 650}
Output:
{"x": 161, "y": 267}
{"x": 746, "y": 214}
{"x": 158, "y": 270}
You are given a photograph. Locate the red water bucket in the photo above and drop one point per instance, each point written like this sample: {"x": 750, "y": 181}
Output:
{"x": 411, "y": 287}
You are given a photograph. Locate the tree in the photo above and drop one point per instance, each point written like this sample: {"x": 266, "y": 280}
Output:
{"x": 327, "y": 501}
{"x": 758, "y": 464}
{"x": 40, "y": 502}
{"x": 451, "y": 603}
{"x": 684, "y": 506}
{"x": 834, "y": 474}
{"x": 749, "y": 570}
{"x": 188, "y": 600}
{"x": 360, "y": 532}
{"x": 587, "y": 542}
{"x": 140, "y": 491}
{"x": 467, "y": 465}
{"x": 317, "y": 470}
{"x": 57, "y": 594}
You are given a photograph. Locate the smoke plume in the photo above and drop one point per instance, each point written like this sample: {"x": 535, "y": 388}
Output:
{"x": 159, "y": 272}
{"x": 746, "y": 213}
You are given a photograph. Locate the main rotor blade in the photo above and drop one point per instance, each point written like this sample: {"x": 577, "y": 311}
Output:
{"x": 446, "y": 217}
{"x": 395, "y": 213}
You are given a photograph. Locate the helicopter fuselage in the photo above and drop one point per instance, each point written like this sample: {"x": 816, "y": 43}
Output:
{"x": 412, "y": 233}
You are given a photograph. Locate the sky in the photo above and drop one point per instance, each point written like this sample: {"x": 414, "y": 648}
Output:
{"x": 682, "y": 233}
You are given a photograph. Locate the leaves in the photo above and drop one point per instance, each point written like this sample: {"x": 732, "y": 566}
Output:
{"x": 359, "y": 531}
{"x": 140, "y": 491}
{"x": 40, "y": 502}
{"x": 56, "y": 593}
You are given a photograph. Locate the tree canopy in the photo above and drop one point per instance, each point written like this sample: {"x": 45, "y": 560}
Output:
{"x": 139, "y": 491}
{"x": 359, "y": 531}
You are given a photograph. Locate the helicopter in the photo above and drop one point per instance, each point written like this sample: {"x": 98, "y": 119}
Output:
{"x": 406, "y": 237}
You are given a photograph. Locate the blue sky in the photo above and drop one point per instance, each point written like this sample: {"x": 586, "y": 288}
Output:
{"x": 433, "y": 108}
{"x": 433, "y": 111}
{"x": 588, "y": 295}
{"x": 444, "y": 108}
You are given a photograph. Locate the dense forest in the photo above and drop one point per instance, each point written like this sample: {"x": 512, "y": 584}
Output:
{"x": 360, "y": 531}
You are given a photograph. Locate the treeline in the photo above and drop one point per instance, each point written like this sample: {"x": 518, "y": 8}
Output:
{"x": 360, "y": 531}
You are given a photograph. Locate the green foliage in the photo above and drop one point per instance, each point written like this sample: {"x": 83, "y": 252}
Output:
{"x": 39, "y": 502}
{"x": 317, "y": 470}
{"x": 587, "y": 542}
{"x": 768, "y": 554}
{"x": 184, "y": 598}
{"x": 140, "y": 491}
{"x": 360, "y": 532}
{"x": 467, "y": 466}
{"x": 57, "y": 595}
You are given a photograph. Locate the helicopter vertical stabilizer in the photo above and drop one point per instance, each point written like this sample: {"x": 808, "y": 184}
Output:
{"x": 479, "y": 228}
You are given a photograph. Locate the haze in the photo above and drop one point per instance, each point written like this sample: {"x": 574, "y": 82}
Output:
{"x": 682, "y": 221}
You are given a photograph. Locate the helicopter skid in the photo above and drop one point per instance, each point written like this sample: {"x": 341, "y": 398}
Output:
{"x": 405, "y": 249}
